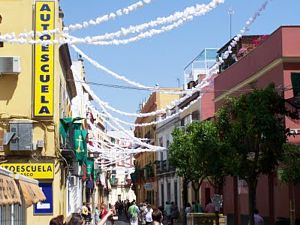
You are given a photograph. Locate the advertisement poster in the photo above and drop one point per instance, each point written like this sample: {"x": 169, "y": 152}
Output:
{"x": 45, "y": 207}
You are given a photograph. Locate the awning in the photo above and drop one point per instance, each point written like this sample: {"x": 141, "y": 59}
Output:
{"x": 9, "y": 192}
{"x": 31, "y": 192}
{"x": 14, "y": 187}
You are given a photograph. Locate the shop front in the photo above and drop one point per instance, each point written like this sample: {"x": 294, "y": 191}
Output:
{"x": 37, "y": 190}
{"x": 17, "y": 193}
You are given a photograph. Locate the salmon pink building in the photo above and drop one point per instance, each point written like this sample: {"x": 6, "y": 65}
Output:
{"x": 273, "y": 58}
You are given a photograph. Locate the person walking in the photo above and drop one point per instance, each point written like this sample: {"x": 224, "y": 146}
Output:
{"x": 96, "y": 216}
{"x": 143, "y": 207}
{"x": 127, "y": 205}
{"x": 168, "y": 212}
{"x": 133, "y": 212}
{"x": 85, "y": 212}
{"x": 258, "y": 220}
{"x": 157, "y": 217}
{"x": 103, "y": 211}
{"x": 75, "y": 219}
{"x": 198, "y": 207}
{"x": 174, "y": 212}
{"x": 148, "y": 214}
{"x": 89, "y": 215}
{"x": 210, "y": 207}
{"x": 59, "y": 220}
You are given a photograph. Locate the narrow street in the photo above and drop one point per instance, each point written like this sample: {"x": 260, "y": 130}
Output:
{"x": 122, "y": 220}
{"x": 175, "y": 112}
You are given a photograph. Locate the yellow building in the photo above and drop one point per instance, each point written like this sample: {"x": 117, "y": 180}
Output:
{"x": 36, "y": 89}
{"x": 146, "y": 184}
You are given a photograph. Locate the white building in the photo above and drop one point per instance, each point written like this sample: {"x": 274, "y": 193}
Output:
{"x": 91, "y": 121}
{"x": 120, "y": 171}
{"x": 169, "y": 188}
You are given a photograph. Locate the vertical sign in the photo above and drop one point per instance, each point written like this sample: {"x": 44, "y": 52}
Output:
{"x": 45, "y": 207}
{"x": 44, "y": 60}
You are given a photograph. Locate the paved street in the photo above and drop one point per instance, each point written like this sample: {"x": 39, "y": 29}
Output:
{"x": 122, "y": 220}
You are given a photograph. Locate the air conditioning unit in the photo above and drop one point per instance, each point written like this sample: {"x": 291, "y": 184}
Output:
{"x": 10, "y": 65}
{"x": 20, "y": 136}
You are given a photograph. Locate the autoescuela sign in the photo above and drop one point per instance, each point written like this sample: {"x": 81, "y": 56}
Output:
{"x": 33, "y": 170}
{"x": 44, "y": 60}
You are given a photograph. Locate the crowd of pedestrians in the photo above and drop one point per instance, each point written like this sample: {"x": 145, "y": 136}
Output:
{"x": 142, "y": 214}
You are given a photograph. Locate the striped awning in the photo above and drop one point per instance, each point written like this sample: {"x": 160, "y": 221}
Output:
{"x": 15, "y": 187}
{"x": 9, "y": 192}
{"x": 31, "y": 192}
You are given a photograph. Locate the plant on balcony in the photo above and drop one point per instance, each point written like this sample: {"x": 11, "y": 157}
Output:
{"x": 138, "y": 175}
{"x": 149, "y": 171}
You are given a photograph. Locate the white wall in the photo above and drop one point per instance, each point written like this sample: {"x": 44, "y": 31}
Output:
{"x": 74, "y": 195}
{"x": 165, "y": 132}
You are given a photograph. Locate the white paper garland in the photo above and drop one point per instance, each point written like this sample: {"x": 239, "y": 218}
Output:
{"x": 186, "y": 13}
{"x": 72, "y": 27}
{"x": 107, "y": 17}
{"x": 123, "y": 78}
{"x": 179, "y": 18}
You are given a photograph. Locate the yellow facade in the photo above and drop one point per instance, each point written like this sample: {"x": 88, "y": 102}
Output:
{"x": 155, "y": 102}
{"x": 17, "y": 102}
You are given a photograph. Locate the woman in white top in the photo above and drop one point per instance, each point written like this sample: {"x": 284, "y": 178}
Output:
{"x": 148, "y": 215}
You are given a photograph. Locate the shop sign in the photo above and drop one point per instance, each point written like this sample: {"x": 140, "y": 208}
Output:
{"x": 33, "y": 170}
{"x": 148, "y": 186}
{"x": 45, "y": 207}
{"x": 44, "y": 60}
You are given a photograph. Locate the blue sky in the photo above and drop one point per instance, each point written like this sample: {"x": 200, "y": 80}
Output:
{"x": 161, "y": 59}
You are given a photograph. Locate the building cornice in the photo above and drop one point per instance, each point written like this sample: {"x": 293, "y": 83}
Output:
{"x": 257, "y": 75}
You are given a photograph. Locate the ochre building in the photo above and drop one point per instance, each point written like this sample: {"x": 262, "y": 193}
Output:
{"x": 36, "y": 89}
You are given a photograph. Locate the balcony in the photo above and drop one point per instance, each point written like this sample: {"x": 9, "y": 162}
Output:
{"x": 198, "y": 66}
{"x": 245, "y": 45}
{"x": 163, "y": 167}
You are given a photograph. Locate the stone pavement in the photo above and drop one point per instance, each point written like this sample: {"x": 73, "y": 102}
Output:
{"x": 122, "y": 220}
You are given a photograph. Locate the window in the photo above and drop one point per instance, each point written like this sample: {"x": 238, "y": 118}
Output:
{"x": 295, "y": 78}
{"x": 150, "y": 196}
{"x": 195, "y": 115}
{"x": 182, "y": 122}
{"x": 12, "y": 214}
{"x": 187, "y": 119}
{"x": 161, "y": 160}
{"x": 169, "y": 191}
{"x": 175, "y": 191}
{"x": 162, "y": 194}
{"x": 161, "y": 142}
{"x": 168, "y": 143}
